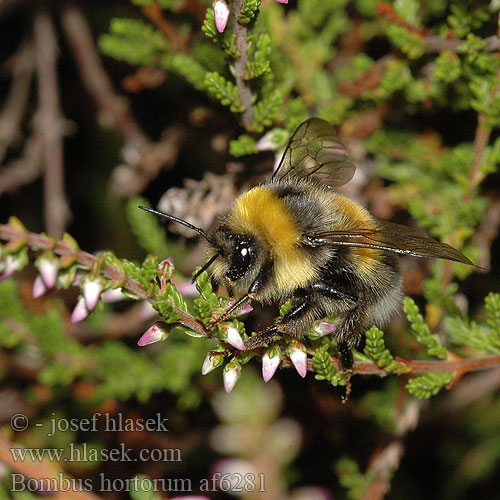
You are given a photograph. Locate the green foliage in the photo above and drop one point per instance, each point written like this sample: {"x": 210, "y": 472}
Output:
{"x": 325, "y": 368}
{"x": 447, "y": 68}
{"x": 150, "y": 234}
{"x": 480, "y": 336}
{"x": 249, "y": 11}
{"x": 133, "y": 41}
{"x": 376, "y": 351}
{"x": 463, "y": 19}
{"x": 244, "y": 145}
{"x": 208, "y": 301}
{"x": 265, "y": 111}
{"x": 223, "y": 90}
{"x": 425, "y": 386}
{"x": 187, "y": 67}
{"x": 168, "y": 302}
{"x": 492, "y": 304}
{"x": 351, "y": 478}
{"x": 411, "y": 44}
{"x": 145, "y": 273}
{"x": 65, "y": 359}
{"x": 422, "y": 331}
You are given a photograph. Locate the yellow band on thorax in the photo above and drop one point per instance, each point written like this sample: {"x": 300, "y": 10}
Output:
{"x": 260, "y": 211}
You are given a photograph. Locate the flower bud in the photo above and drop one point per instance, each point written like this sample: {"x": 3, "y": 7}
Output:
{"x": 211, "y": 363}
{"x": 80, "y": 312}
{"x": 231, "y": 374}
{"x": 270, "y": 362}
{"x": 324, "y": 328}
{"x": 92, "y": 288}
{"x": 112, "y": 295}
{"x": 282, "y": 1}
{"x": 154, "y": 334}
{"x": 221, "y": 14}
{"x": 166, "y": 268}
{"x": 48, "y": 267}
{"x": 270, "y": 141}
{"x": 231, "y": 335}
{"x": 298, "y": 356}
{"x": 12, "y": 263}
{"x": 39, "y": 288}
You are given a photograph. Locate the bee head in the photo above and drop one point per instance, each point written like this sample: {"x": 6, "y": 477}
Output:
{"x": 240, "y": 259}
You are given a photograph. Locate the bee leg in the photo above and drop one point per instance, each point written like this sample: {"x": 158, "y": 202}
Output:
{"x": 282, "y": 325}
{"x": 259, "y": 282}
{"x": 261, "y": 338}
{"x": 347, "y": 335}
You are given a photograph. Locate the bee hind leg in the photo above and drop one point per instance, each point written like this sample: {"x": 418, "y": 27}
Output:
{"x": 348, "y": 334}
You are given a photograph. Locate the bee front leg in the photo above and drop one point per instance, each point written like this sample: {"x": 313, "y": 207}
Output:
{"x": 285, "y": 325}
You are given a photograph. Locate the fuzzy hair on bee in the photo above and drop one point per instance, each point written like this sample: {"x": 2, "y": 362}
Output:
{"x": 294, "y": 238}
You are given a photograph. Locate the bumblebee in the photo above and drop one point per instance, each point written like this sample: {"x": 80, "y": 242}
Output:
{"x": 293, "y": 238}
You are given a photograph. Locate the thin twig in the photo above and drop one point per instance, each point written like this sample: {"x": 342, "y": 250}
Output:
{"x": 50, "y": 124}
{"x": 155, "y": 14}
{"x": 25, "y": 169}
{"x": 143, "y": 157}
{"x": 23, "y": 64}
{"x": 435, "y": 43}
{"x": 12, "y": 233}
{"x": 114, "y": 107}
{"x": 240, "y": 66}
{"x": 383, "y": 464}
{"x": 481, "y": 140}
{"x": 386, "y": 10}
{"x": 9, "y": 232}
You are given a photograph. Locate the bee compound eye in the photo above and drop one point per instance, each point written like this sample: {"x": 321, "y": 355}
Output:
{"x": 241, "y": 260}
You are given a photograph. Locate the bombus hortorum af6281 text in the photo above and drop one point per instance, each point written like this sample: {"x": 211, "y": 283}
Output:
{"x": 293, "y": 238}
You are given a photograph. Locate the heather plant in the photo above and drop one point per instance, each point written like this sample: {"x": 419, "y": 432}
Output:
{"x": 412, "y": 87}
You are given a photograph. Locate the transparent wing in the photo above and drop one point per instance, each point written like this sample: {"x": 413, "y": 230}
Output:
{"x": 315, "y": 150}
{"x": 393, "y": 238}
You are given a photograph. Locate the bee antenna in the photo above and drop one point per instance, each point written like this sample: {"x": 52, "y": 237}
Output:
{"x": 180, "y": 221}
{"x": 204, "y": 267}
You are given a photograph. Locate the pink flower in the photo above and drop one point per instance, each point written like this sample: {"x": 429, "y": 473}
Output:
{"x": 231, "y": 335}
{"x": 221, "y": 14}
{"x": 211, "y": 363}
{"x": 10, "y": 266}
{"x": 282, "y": 1}
{"x": 324, "y": 328}
{"x": 112, "y": 295}
{"x": 270, "y": 362}
{"x": 80, "y": 312}
{"x": 155, "y": 333}
{"x": 231, "y": 374}
{"x": 39, "y": 288}
{"x": 92, "y": 289}
{"x": 48, "y": 268}
{"x": 298, "y": 356}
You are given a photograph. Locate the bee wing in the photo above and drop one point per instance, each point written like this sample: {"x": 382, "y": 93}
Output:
{"x": 314, "y": 149}
{"x": 392, "y": 238}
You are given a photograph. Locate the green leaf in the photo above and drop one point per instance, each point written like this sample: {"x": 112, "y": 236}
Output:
{"x": 223, "y": 90}
{"x": 428, "y": 385}
{"x": 376, "y": 351}
{"x": 421, "y": 330}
